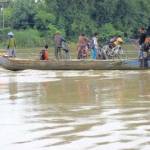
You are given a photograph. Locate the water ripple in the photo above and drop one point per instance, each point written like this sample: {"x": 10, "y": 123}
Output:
{"x": 81, "y": 110}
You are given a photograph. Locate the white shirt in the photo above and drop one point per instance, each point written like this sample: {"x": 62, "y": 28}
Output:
{"x": 95, "y": 42}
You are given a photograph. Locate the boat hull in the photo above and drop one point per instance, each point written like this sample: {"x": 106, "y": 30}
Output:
{"x": 16, "y": 64}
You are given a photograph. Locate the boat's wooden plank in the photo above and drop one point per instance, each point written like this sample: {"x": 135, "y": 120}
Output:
{"x": 22, "y": 64}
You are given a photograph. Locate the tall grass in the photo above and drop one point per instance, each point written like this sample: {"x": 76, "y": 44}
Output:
{"x": 28, "y": 38}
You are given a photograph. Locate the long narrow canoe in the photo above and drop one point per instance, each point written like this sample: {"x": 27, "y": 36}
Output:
{"x": 16, "y": 64}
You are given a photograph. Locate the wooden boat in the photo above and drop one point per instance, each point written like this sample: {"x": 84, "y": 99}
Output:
{"x": 16, "y": 64}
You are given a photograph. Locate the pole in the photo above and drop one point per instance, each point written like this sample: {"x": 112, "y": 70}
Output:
{"x": 3, "y": 16}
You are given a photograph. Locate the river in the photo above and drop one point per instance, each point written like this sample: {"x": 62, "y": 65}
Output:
{"x": 74, "y": 110}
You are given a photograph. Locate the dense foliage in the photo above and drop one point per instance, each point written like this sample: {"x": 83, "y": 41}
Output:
{"x": 72, "y": 17}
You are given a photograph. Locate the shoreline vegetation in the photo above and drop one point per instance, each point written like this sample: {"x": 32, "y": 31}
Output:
{"x": 34, "y": 22}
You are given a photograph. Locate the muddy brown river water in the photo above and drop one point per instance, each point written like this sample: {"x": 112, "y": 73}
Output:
{"x": 74, "y": 110}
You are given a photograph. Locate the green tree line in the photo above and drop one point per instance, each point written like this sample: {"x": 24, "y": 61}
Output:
{"x": 36, "y": 21}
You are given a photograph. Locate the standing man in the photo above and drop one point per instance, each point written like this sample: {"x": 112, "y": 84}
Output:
{"x": 141, "y": 44}
{"x": 58, "y": 39}
{"x": 141, "y": 41}
{"x": 11, "y": 46}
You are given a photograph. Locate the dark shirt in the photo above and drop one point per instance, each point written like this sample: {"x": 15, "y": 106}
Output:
{"x": 142, "y": 38}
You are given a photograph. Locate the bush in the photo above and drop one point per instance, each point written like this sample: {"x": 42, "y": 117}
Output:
{"x": 28, "y": 38}
{"x": 52, "y": 29}
{"x": 3, "y": 33}
{"x": 107, "y": 31}
{"x": 3, "y": 36}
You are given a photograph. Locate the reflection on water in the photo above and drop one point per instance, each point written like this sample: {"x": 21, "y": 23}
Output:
{"x": 75, "y": 110}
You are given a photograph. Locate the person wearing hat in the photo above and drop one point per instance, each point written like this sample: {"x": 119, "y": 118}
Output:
{"x": 58, "y": 39}
{"x": 11, "y": 46}
{"x": 142, "y": 55}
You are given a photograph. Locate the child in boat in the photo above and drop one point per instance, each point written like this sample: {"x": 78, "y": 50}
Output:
{"x": 44, "y": 53}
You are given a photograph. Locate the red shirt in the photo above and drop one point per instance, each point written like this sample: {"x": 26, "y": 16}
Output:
{"x": 46, "y": 55}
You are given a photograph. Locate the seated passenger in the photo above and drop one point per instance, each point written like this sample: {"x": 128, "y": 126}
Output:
{"x": 118, "y": 41}
{"x": 147, "y": 40}
{"x": 146, "y": 45}
{"x": 44, "y": 53}
{"x": 115, "y": 41}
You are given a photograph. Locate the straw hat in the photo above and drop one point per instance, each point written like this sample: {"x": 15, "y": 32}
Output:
{"x": 57, "y": 32}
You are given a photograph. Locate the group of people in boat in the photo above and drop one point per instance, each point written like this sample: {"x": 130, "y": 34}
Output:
{"x": 91, "y": 47}
{"x": 87, "y": 47}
